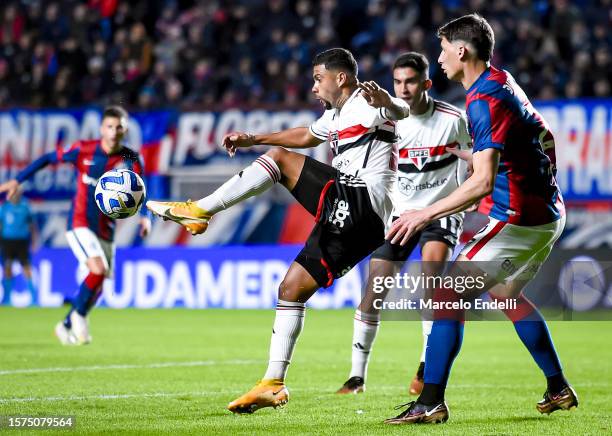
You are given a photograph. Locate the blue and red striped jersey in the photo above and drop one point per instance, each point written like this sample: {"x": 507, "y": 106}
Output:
{"x": 90, "y": 161}
{"x": 500, "y": 116}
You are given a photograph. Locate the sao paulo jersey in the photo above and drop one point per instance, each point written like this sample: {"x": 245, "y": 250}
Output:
{"x": 362, "y": 140}
{"x": 426, "y": 171}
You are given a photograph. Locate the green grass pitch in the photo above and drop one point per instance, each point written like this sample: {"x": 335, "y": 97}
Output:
{"x": 161, "y": 371}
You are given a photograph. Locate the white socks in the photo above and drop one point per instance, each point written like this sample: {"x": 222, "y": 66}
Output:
{"x": 426, "y": 325}
{"x": 287, "y": 327}
{"x": 365, "y": 327}
{"x": 253, "y": 180}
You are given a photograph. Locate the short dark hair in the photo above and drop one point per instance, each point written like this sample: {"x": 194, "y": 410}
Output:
{"x": 337, "y": 59}
{"x": 473, "y": 29}
{"x": 417, "y": 61}
{"x": 114, "y": 112}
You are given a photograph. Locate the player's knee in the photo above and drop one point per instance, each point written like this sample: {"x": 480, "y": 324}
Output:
{"x": 277, "y": 154}
{"x": 96, "y": 266}
{"x": 288, "y": 291}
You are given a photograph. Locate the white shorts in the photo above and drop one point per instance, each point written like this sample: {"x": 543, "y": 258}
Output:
{"x": 85, "y": 244}
{"x": 509, "y": 252}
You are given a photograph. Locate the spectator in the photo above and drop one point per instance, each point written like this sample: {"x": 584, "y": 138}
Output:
{"x": 11, "y": 26}
{"x": 112, "y": 48}
{"x": 139, "y": 47}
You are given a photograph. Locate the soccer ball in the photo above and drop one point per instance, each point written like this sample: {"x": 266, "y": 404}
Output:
{"x": 120, "y": 193}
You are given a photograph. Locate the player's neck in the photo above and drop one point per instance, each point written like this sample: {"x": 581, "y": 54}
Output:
{"x": 344, "y": 96}
{"x": 422, "y": 106}
{"x": 109, "y": 148}
{"x": 472, "y": 71}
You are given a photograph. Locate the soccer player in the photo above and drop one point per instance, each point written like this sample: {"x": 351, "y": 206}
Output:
{"x": 513, "y": 172}
{"x": 427, "y": 172}
{"x": 350, "y": 200}
{"x": 90, "y": 232}
{"x": 17, "y": 228}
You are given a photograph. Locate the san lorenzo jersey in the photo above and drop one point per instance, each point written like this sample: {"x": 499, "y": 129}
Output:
{"x": 91, "y": 162}
{"x": 501, "y": 117}
{"x": 362, "y": 140}
{"x": 427, "y": 172}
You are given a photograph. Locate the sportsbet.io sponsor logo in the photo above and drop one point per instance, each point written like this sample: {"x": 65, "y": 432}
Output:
{"x": 406, "y": 187}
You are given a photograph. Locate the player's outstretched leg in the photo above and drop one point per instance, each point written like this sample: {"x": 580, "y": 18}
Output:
{"x": 258, "y": 177}
{"x": 271, "y": 391}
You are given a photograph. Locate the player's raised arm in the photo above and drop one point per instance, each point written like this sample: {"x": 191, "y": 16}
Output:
{"x": 298, "y": 137}
{"x": 11, "y": 186}
{"x": 393, "y": 108}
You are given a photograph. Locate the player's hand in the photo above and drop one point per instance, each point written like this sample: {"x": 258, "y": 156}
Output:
{"x": 234, "y": 140}
{"x": 474, "y": 207}
{"x": 374, "y": 94}
{"x": 145, "y": 227}
{"x": 407, "y": 225}
{"x": 465, "y": 155}
{"x": 10, "y": 188}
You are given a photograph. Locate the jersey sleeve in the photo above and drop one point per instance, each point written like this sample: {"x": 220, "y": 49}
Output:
{"x": 376, "y": 116}
{"x": 321, "y": 127}
{"x": 463, "y": 135}
{"x": 68, "y": 154}
{"x": 489, "y": 130}
{"x": 38, "y": 164}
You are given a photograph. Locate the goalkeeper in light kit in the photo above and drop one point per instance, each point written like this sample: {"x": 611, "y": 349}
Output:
{"x": 90, "y": 232}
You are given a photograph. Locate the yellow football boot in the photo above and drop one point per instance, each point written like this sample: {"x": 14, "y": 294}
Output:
{"x": 266, "y": 393}
{"x": 186, "y": 213}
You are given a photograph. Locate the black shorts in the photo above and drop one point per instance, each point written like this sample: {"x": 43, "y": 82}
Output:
{"x": 347, "y": 228}
{"x": 446, "y": 230}
{"x": 16, "y": 249}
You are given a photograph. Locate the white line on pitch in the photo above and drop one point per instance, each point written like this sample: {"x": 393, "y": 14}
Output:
{"x": 127, "y": 366}
{"x": 109, "y": 396}
{"x": 376, "y": 389}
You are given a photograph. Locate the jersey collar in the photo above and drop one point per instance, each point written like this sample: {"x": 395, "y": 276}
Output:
{"x": 427, "y": 113}
{"x": 480, "y": 79}
{"x": 348, "y": 100}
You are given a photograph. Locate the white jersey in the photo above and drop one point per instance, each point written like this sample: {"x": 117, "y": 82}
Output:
{"x": 362, "y": 140}
{"x": 426, "y": 171}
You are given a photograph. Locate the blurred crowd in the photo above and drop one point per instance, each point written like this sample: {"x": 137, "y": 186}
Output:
{"x": 211, "y": 54}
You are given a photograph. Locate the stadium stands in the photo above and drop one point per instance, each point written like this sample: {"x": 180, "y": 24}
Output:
{"x": 204, "y": 54}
